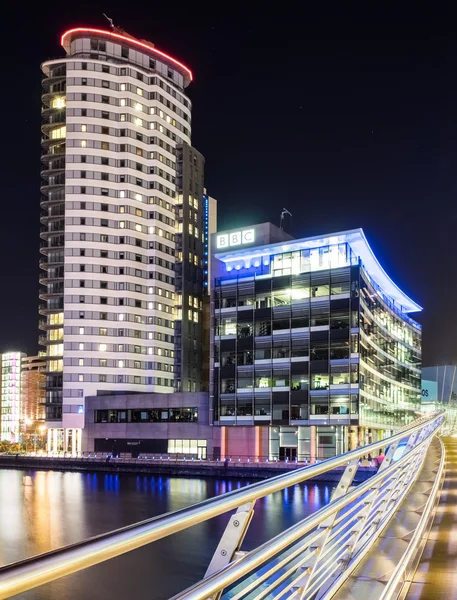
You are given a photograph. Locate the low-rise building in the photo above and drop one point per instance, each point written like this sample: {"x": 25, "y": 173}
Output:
{"x": 175, "y": 424}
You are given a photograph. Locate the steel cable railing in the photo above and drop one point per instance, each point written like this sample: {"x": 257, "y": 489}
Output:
{"x": 38, "y": 570}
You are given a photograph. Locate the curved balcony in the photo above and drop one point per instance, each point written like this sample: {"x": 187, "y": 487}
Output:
{"x": 59, "y": 118}
{"x": 48, "y": 110}
{"x": 54, "y": 152}
{"x": 53, "y": 78}
{"x": 53, "y": 216}
{"x": 45, "y": 341}
{"x": 50, "y": 295}
{"x": 49, "y": 280}
{"x": 45, "y": 326}
{"x": 47, "y": 142}
{"x": 53, "y": 167}
{"x": 55, "y": 244}
{"x": 54, "y": 182}
{"x": 53, "y": 199}
{"x": 44, "y": 310}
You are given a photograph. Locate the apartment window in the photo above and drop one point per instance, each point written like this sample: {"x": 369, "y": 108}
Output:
{"x": 122, "y": 117}
{"x": 105, "y": 99}
{"x": 105, "y": 161}
{"x": 84, "y": 97}
{"x": 82, "y": 267}
{"x": 82, "y": 283}
{"x": 81, "y": 299}
{"x": 120, "y": 364}
{"x": 105, "y": 83}
{"x": 105, "y": 177}
{"x": 104, "y": 254}
{"x": 81, "y": 362}
{"x": 102, "y": 378}
{"x": 105, "y": 130}
{"x": 102, "y": 347}
{"x": 81, "y": 331}
{"x": 122, "y": 102}
{"x": 84, "y": 112}
{"x": 103, "y": 285}
{"x": 84, "y": 66}
{"x": 104, "y": 191}
{"x": 103, "y": 300}
{"x": 83, "y": 143}
{"x": 137, "y": 364}
{"x": 83, "y": 81}
{"x": 81, "y": 346}
{"x": 102, "y": 362}
{"x": 104, "y": 238}
{"x": 80, "y": 377}
{"x": 137, "y": 349}
{"x": 103, "y": 316}
{"x": 84, "y": 128}
{"x": 152, "y": 63}
{"x": 105, "y": 69}
{"x": 124, "y": 52}
{"x": 104, "y": 222}
{"x": 82, "y": 252}
{"x": 139, "y": 91}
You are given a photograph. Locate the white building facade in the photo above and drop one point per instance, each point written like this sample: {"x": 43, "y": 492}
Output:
{"x": 114, "y": 112}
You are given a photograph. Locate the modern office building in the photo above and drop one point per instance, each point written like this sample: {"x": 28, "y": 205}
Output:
{"x": 11, "y": 396}
{"x": 117, "y": 168}
{"x": 314, "y": 351}
{"x": 33, "y": 388}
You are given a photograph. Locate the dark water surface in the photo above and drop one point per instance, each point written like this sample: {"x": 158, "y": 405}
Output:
{"x": 44, "y": 510}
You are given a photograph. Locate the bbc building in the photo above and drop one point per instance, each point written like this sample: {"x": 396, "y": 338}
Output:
{"x": 313, "y": 351}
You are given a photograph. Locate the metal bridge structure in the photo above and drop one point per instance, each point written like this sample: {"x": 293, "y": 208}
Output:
{"x": 387, "y": 537}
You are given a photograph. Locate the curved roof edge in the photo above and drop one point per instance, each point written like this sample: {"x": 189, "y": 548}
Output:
{"x": 128, "y": 39}
{"x": 360, "y": 246}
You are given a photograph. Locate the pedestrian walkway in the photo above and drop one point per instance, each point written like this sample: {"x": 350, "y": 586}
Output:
{"x": 436, "y": 575}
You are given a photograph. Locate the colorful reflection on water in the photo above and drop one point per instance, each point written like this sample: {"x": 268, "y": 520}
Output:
{"x": 43, "y": 510}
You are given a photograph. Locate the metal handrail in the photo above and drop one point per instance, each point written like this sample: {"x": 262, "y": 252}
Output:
{"x": 30, "y": 573}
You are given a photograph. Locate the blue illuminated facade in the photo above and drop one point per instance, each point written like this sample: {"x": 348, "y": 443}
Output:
{"x": 313, "y": 350}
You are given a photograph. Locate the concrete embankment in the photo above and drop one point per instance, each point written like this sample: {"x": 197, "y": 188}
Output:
{"x": 171, "y": 468}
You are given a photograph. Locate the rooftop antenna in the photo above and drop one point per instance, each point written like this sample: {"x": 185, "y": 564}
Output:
{"x": 111, "y": 23}
{"x": 283, "y": 213}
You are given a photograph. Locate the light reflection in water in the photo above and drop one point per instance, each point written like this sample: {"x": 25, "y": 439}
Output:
{"x": 40, "y": 511}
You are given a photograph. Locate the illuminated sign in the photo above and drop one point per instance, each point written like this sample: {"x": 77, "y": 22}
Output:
{"x": 237, "y": 238}
{"x": 429, "y": 391}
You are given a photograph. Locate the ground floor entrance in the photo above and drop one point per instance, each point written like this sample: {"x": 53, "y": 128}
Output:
{"x": 68, "y": 441}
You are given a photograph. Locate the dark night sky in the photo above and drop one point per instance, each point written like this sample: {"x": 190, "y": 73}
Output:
{"x": 343, "y": 113}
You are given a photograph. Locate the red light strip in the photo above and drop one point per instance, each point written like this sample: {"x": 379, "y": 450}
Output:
{"x": 126, "y": 39}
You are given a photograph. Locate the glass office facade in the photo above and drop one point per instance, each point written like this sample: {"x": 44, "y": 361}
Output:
{"x": 308, "y": 345}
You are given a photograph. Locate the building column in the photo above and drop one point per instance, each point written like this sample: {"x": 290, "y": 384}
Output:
{"x": 55, "y": 434}
{"x": 313, "y": 443}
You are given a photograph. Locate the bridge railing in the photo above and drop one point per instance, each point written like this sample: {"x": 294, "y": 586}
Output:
{"x": 301, "y": 562}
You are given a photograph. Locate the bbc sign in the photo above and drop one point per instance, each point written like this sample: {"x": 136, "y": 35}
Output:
{"x": 237, "y": 238}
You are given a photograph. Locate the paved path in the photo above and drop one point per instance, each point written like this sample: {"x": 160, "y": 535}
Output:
{"x": 436, "y": 575}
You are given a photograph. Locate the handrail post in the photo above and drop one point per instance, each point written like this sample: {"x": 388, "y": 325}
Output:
{"x": 303, "y": 584}
{"x": 231, "y": 540}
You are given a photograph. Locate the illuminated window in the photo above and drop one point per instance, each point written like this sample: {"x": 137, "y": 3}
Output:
{"x": 81, "y": 362}
{"x": 152, "y": 125}
{"x": 120, "y": 364}
{"x": 59, "y": 132}
{"x": 59, "y": 102}
{"x": 122, "y": 195}
{"x": 80, "y": 377}
{"x": 138, "y": 227}
{"x": 81, "y": 346}
{"x": 102, "y": 347}
{"x": 122, "y": 87}
{"x": 122, "y": 117}
{"x": 83, "y": 144}
{"x": 83, "y": 127}
{"x": 138, "y": 106}
{"x": 122, "y": 102}
{"x": 168, "y": 119}
{"x": 138, "y": 122}
{"x": 121, "y": 224}
{"x": 139, "y": 91}
{"x": 81, "y": 331}
{"x": 138, "y": 197}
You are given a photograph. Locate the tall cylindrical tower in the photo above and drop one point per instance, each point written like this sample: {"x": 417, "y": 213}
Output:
{"x": 114, "y": 112}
